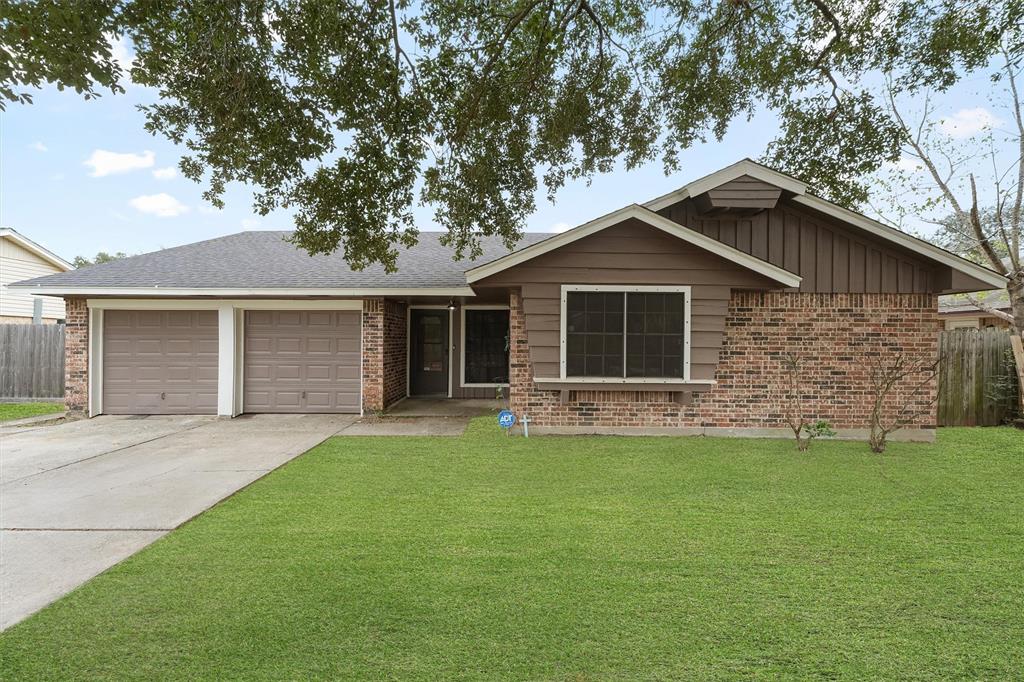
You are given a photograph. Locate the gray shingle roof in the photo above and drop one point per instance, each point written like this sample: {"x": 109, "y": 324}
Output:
{"x": 263, "y": 260}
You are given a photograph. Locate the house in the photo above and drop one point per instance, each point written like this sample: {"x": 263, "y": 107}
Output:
{"x": 957, "y": 312}
{"x": 666, "y": 317}
{"x": 22, "y": 258}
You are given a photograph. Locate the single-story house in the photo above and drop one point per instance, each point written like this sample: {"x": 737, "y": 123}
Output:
{"x": 957, "y": 312}
{"x": 21, "y": 258}
{"x": 670, "y": 316}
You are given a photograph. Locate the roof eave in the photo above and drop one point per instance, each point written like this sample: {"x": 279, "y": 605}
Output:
{"x": 36, "y": 249}
{"x": 245, "y": 292}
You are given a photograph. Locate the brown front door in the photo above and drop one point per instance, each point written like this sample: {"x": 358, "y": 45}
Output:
{"x": 301, "y": 361}
{"x": 160, "y": 362}
{"x": 428, "y": 352}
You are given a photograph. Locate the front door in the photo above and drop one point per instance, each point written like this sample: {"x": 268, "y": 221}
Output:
{"x": 428, "y": 351}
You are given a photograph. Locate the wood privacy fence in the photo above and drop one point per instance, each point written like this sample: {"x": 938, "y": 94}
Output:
{"x": 31, "y": 361}
{"x": 977, "y": 377}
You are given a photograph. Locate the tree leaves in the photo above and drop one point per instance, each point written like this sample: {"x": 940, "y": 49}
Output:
{"x": 351, "y": 113}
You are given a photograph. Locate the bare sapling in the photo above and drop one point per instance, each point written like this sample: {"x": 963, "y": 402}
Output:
{"x": 902, "y": 390}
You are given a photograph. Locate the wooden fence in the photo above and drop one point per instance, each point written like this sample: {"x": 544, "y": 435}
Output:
{"x": 31, "y": 361}
{"x": 977, "y": 377}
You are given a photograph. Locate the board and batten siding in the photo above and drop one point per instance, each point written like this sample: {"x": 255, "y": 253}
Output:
{"x": 17, "y": 264}
{"x": 829, "y": 257}
{"x": 629, "y": 253}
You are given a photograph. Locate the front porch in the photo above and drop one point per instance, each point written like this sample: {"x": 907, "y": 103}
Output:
{"x": 442, "y": 358}
{"x": 445, "y": 407}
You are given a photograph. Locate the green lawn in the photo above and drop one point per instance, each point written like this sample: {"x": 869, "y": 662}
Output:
{"x": 9, "y": 411}
{"x": 573, "y": 559}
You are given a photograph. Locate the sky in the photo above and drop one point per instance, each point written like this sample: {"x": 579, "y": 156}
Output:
{"x": 81, "y": 177}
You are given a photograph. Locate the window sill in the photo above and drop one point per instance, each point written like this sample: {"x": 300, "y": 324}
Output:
{"x": 595, "y": 383}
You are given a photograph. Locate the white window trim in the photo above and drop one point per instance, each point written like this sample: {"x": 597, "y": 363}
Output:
{"x": 624, "y": 289}
{"x": 408, "y": 344}
{"x": 462, "y": 345}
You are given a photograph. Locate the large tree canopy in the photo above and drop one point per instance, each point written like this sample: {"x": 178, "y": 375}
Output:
{"x": 352, "y": 112}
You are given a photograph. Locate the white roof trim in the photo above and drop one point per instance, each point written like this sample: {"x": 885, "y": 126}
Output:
{"x": 891, "y": 234}
{"x": 727, "y": 174}
{"x": 164, "y": 292}
{"x": 649, "y": 217}
{"x": 29, "y": 245}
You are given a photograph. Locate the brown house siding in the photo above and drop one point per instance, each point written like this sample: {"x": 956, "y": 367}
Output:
{"x": 832, "y": 332}
{"x": 828, "y": 256}
{"x": 630, "y": 253}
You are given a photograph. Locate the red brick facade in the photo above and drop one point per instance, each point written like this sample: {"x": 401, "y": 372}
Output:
{"x": 384, "y": 353}
{"x": 830, "y": 332}
{"x": 76, "y": 356}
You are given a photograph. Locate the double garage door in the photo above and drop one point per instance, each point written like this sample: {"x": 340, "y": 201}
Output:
{"x": 165, "y": 362}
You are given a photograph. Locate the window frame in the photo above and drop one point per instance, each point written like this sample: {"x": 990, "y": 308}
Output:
{"x": 462, "y": 344}
{"x": 625, "y": 289}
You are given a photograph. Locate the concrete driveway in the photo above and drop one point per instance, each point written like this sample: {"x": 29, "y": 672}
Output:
{"x": 77, "y": 498}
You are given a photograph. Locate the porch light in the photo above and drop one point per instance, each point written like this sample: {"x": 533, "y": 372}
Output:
{"x": 451, "y": 304}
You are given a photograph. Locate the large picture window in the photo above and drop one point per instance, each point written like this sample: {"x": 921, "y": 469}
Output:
{"x": 632, "y": 332}
{"x": 485, "y": 346}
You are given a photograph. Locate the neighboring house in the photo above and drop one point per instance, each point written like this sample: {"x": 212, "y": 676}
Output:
{"x": 21, "y": 258}
{"x": 667, "y": 317}
{"x": 956, "y": 312}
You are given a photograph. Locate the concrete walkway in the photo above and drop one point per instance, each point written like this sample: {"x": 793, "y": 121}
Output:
{"x": 77, "y": 498}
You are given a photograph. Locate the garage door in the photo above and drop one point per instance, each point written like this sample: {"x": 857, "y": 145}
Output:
{"x": 160, "y": 362}
{"x": 301, "y": 361}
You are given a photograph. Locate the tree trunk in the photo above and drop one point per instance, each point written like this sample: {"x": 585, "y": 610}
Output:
{"x": 1015, "y": 289}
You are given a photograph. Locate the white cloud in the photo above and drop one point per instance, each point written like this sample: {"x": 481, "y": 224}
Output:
{"x": 909, "y": 164}
{"x": 39, "y": 147}
{"x": 250, "y": 223}
{"x": 559, "y": 227}
{"x": 119, "y": 50}
{"x": 104, "y": 163}
{"x": 168, "y": 173}
{"x": 161, "y": 205}
{"x": 968, "y": 122}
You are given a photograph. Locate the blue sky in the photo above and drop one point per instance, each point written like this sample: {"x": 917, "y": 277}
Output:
{"x": 81, "y": 177}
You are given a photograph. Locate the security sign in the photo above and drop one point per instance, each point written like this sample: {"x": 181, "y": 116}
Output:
{"x": 506, "y": 419}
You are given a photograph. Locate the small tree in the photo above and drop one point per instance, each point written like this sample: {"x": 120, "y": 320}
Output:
{"x": 899, "y": 385}
{"x": 804, "y": 430}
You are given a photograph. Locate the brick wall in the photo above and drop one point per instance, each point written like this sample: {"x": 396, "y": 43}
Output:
{"x": 384, "y": 351}
{"x": 831, "y": 332}
{"x": 76, "y": 356}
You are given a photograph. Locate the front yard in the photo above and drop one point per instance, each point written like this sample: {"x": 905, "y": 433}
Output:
{"x": 573, "y": 558}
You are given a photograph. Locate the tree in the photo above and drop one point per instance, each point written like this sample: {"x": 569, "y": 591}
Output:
{"x": 791, "y": 394}
{"x": 945, "y": 178}
{"x": 902, "y": 389}
{"x": 101, "y": 257}
{"x": 350, "y": 113}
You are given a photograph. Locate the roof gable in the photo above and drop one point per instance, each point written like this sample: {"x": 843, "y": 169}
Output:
{"x": 36, "y": 250}
{"x": 648, "y": 217}
{"x": 798, "y": 193}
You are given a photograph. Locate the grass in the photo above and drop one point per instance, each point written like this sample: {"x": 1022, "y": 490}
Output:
{"x": 11, "y": 411}
{"x": 573, "y": 558}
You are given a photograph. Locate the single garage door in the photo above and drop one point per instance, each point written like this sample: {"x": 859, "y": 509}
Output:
{"x": 301, "y": 361}
{"x": 160, "y": 361}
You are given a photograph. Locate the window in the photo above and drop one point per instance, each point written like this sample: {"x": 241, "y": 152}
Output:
{"x": 629, "y": 332}
{"x": 485, "y": 343}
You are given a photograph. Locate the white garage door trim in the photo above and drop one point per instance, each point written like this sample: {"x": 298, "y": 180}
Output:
{"x": 231, "y": 330}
